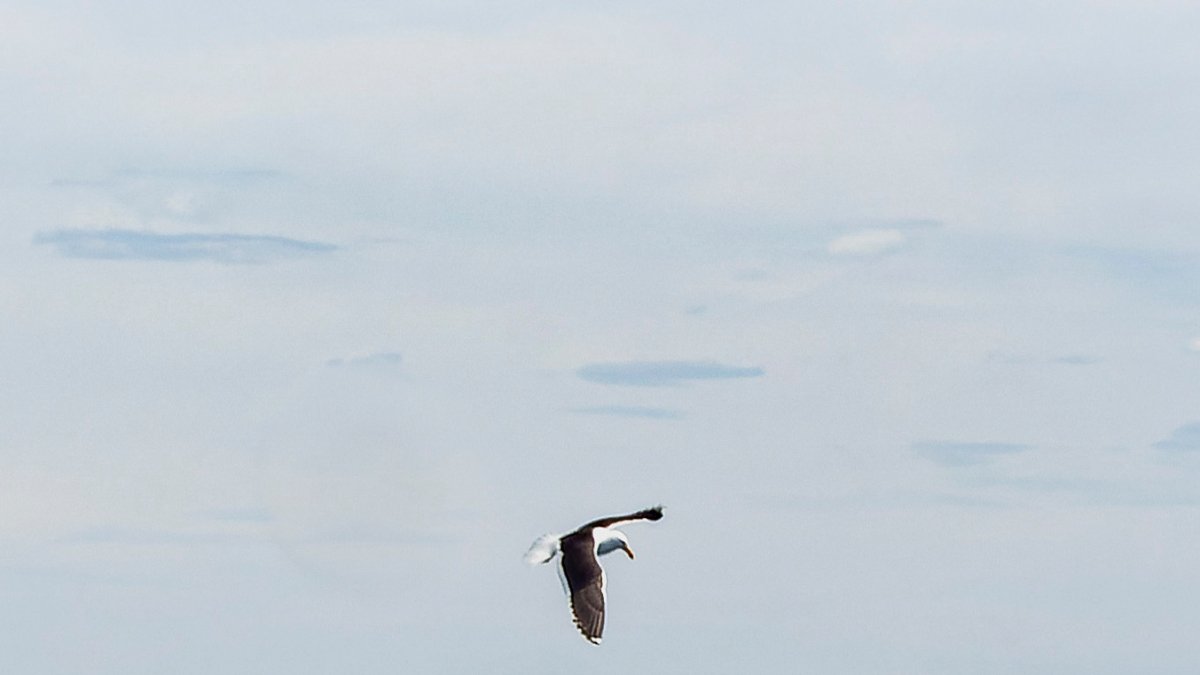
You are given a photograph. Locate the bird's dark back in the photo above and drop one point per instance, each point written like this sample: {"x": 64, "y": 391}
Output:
{"x": 579, "y": 559}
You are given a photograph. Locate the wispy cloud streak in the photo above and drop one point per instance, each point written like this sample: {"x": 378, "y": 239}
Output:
{"x": 642, "y": 412}
{"x": 1076, "y": 360}
{"x": 866, "y": 243}
{"x": 960, "y": 453}
{"x": 1018, "y": 359}
{"x": 122, "y": 177}
{"x": 662, "y": 373}
{"x": 250, "y": 514}
{"x": 1185, "y": 438}
{"x": 377, "y": 360}
{"x": 1171, "y": 275}
{"x": 186, "y": 247}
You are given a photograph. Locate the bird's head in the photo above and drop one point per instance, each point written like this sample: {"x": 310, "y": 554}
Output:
{"x": 609, "y": 540}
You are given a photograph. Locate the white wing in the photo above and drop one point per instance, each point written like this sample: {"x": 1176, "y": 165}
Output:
{"x": 543, "y": 550}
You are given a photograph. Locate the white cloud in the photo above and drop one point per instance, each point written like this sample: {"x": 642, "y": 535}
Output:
{"x": 1194, "y": 345}
{"x": 867, "y": 242}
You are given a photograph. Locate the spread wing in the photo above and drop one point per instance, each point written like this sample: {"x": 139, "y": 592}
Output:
{"x": 585, "y": 583}
{"x": 655, "y": 513}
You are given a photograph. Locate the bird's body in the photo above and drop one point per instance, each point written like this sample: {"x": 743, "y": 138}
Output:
{"x": 579, "y": 568}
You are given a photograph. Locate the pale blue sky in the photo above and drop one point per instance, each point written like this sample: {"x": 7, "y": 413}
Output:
{"x": 316, "y": 315}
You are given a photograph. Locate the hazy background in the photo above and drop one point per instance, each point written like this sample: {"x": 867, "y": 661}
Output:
{"x": 316, "y": 314}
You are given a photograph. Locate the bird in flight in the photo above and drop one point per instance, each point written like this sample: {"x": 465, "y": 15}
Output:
{"x": 579, "y": 567}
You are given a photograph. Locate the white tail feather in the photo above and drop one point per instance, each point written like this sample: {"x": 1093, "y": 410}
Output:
{"x": 543, "y": 550}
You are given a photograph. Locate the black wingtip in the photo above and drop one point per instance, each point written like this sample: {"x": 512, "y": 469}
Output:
{"x": 653, "y": 513}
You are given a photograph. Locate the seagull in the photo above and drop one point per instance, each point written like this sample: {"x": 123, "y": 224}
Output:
{"x": 579, "y": 569}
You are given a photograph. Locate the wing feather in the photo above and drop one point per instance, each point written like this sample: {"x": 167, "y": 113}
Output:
{"x": 654, "y": 513}
{"x": 585, "y": 583}
{"x": 543, "y": 549}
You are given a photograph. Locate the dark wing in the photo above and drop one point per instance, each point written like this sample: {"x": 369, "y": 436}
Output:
{"x": 585, "y": 583}
{"x": 655, "y": 513}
